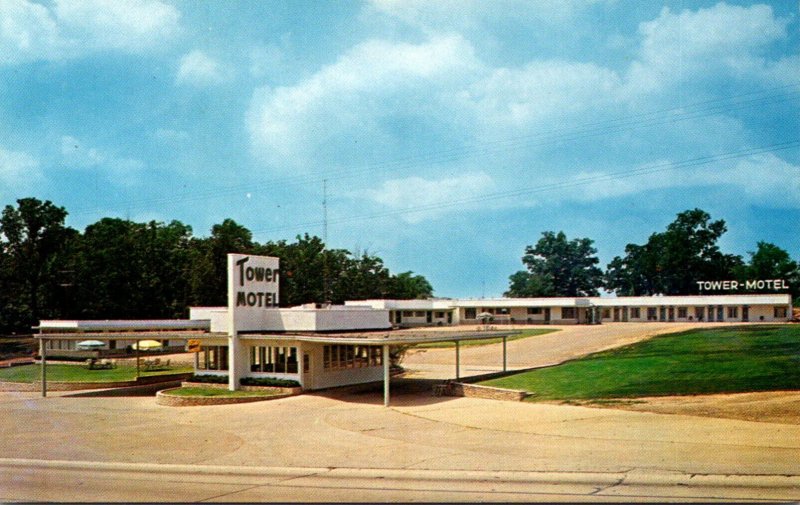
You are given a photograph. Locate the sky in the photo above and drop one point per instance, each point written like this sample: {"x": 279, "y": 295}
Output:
{"x": 442, "y": 136}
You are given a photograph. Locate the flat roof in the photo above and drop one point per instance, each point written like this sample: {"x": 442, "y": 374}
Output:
{"x": 123, "y": 335}
{"x": 392, "y": 337}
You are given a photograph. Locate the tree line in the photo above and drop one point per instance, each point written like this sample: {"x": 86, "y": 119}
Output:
{"x": 669, "y": 263}
{"x": 120, "y": 269}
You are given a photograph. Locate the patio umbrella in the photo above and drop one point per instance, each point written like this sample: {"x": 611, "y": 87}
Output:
{"x": 147, "y": 345}
{"x": 89, "y": 345}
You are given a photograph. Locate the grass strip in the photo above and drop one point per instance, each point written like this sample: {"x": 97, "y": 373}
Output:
{"x": 200, "y": 391}
{"x": 79, "y": 373}
{"x": 703, "y": 361}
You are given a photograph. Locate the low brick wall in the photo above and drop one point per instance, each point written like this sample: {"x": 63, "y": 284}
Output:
{"x": 283, "y": 391}
{"x": 168, "y": 400}
{"x": 491, "y": 393}
{"x": 77, "y": 386}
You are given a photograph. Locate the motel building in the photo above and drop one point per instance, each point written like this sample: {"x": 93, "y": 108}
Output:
{"x": 322, "y": 347}
{"x": 585, "y": 310}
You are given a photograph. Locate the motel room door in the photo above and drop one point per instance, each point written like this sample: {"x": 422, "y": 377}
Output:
{"x": 547, "y": 314}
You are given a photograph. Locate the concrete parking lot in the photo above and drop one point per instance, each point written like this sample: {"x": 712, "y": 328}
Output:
{"x": 339, "y": 446}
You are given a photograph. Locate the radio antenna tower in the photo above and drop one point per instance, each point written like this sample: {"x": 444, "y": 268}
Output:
{"x": 325, "y": 211}
{"x": 325, "y": 292}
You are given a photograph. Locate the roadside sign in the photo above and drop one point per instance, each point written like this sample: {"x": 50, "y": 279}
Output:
{"x": 193, "y": 345}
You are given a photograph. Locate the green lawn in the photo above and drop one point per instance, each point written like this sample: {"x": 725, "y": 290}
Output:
{"x": 495, "y": 340}
{"x": 200, "y": 391}
{"x": 79, "y": 373}
{"x": 724, "y": 360}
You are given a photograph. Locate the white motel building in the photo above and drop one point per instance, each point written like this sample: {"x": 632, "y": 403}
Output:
{"x": 328, "y": 346}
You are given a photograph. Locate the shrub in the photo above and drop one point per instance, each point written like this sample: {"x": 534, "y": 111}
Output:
{"x": 210, "y": 379}
{"x": 268, "y": 381}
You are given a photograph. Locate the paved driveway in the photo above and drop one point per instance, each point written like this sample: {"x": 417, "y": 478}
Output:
{"x": 567, "y": 343}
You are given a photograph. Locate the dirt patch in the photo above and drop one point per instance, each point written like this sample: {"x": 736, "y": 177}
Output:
{"x": 781, "y": 407}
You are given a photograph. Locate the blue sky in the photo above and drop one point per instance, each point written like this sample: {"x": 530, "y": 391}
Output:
{"x": 450, "y": 133}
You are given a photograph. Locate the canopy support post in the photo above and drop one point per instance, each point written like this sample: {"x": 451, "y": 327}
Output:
{"x": 386, "y": 375}
{"x": 505, "y": 354}
{"x": 43, "y": 356}
{"x": 458, "y": 359}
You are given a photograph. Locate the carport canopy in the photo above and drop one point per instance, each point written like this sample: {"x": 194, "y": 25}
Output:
{"x": 384, "y": 338}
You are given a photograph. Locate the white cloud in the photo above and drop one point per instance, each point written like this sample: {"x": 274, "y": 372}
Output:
{"x": 756, "y": 180}
{"x": 693, "y": 44}
{"x": 18, "y": 171}
{"x": 369, "y": 82}
{"x": 121, "y": 170}
{"x": 532, "y": 94}
{"x": 27, "y": 32}
{"x": 199, "y": 69}
{"x": 30, "y": 31}
{"x": 415, "y": 192}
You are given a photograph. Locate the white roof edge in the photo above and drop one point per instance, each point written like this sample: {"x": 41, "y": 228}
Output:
{"x": 752, "y": 299}
{"x": 124, "y": 324}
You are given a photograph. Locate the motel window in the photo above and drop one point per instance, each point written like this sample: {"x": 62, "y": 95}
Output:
{"x": 375, "y": 356}
{"x": 652, "y": 314}
{"x": 273, "y": 359}
{"x": 779, "y": 312}
{"x": 606, "y": 313}
{"x": 408, "y": 313}
{"x": 534, "y": 311}
{"x": 636, "y": 313}
{"x": 568, "y": 313}
{"x": 733, "y": 311}
{"x": 340, "y": 357}
{"x": 439, "y": 315}
{"x": 213, "y": 357}
{"x": 419, "y": 313}
{"x": 470, "y": 313}
{"x": 683, "y": 312}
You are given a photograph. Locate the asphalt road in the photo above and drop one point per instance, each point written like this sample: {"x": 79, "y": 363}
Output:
{"x": 25, "y": 480}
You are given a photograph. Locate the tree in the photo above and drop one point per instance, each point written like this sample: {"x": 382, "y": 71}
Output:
{"x": 406, "y": 286}
{"x": 558, "y": 267}
{"x": 769, "y": 261}
{"x": 673, "y": 261}
{"x": 34, "y": 235}
{"x": 133, "y": 270}
{"x": 209, "y": 260}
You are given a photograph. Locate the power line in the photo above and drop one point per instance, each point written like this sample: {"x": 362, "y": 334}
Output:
{"x": 660, "y": 167}
{"x": 693, "y": 111}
